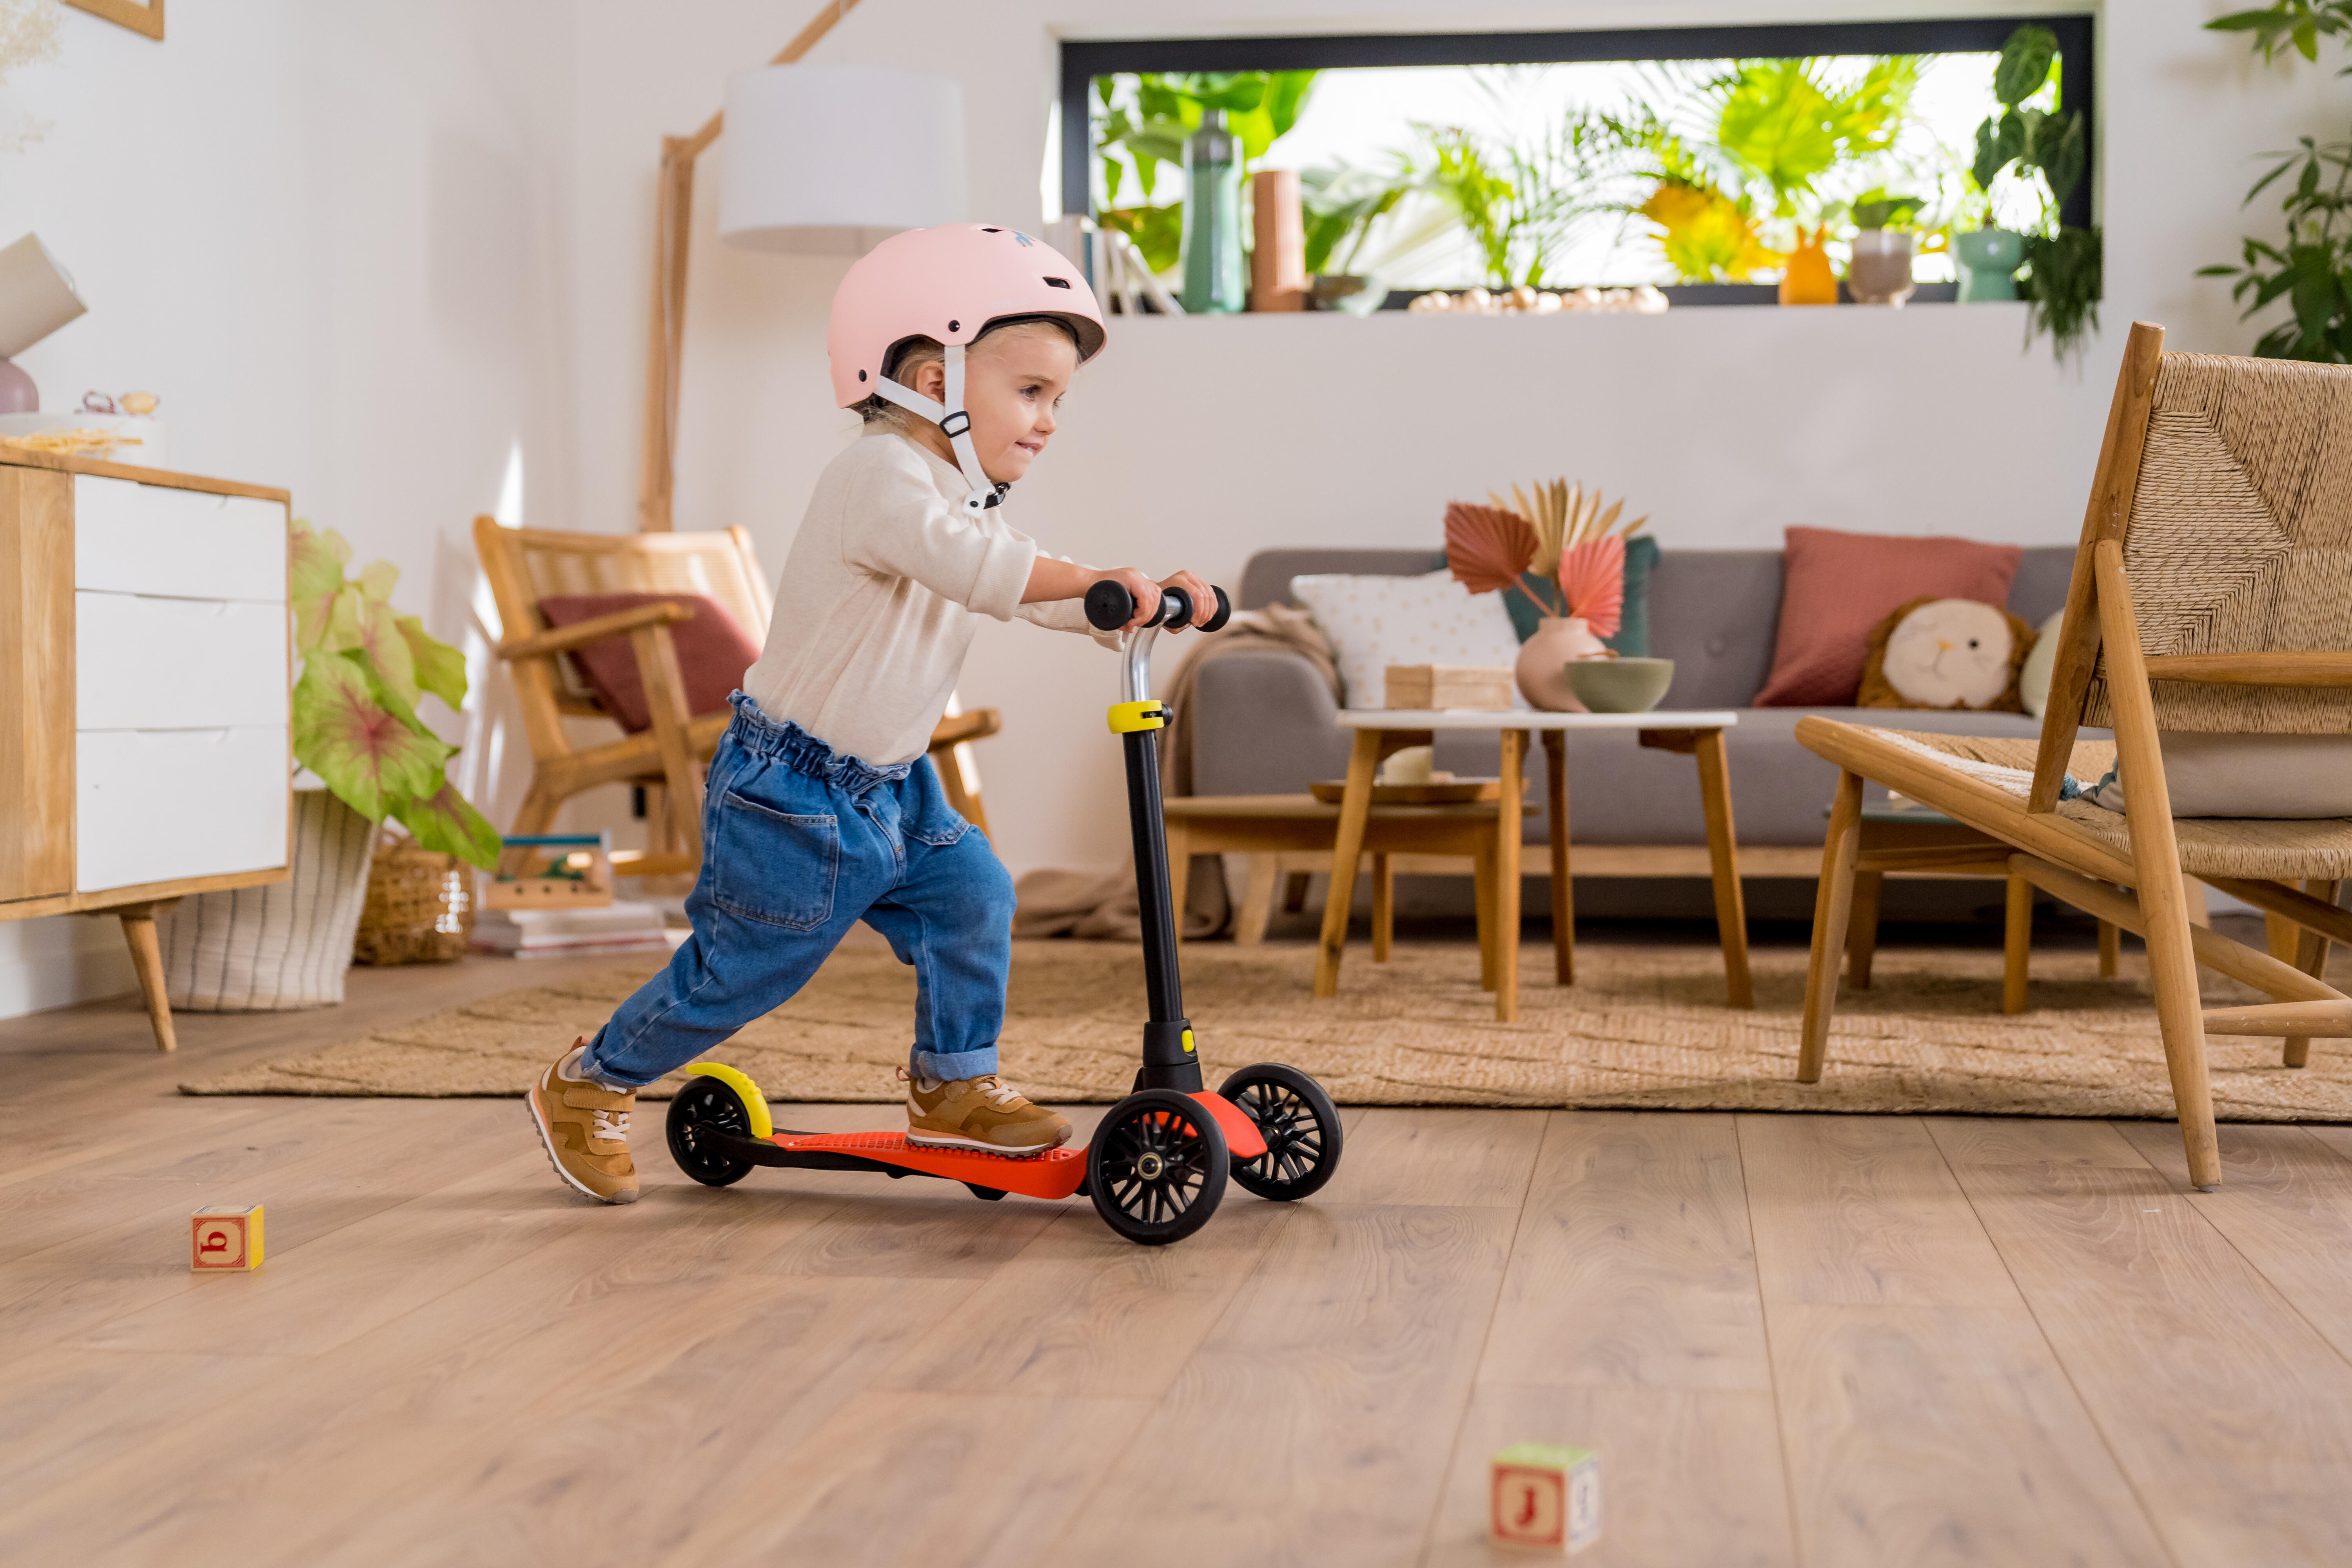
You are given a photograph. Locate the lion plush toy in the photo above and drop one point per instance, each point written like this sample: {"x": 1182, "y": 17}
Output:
{"x": 1947, "y": 653}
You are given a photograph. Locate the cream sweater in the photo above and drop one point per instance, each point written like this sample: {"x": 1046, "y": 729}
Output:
{"x": 880, "y": 595}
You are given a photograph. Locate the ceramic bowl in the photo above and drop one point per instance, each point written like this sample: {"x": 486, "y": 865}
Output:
{"x": 1620, "y": 684}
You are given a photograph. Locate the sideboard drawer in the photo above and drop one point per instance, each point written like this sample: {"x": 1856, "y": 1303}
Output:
{"x": 143, "y": 663}
{"x": 130, "y": 538}
{"x": 154, "y": 806}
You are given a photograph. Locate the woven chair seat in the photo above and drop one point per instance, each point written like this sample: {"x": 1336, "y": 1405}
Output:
{"x": 2259, "y": 848}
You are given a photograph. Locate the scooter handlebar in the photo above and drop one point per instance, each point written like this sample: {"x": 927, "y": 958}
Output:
{"x": 1110, "y": 607}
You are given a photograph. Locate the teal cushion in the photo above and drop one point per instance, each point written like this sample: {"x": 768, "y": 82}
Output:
{"x": 1633, "y": 638}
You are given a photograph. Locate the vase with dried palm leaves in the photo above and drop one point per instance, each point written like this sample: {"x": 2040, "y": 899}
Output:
{"x": 1582, "y": 593}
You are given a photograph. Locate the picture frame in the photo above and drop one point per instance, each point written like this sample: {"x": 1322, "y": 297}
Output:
{"x": 139, "y": 16}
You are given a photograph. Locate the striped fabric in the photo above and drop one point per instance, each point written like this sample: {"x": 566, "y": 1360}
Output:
{"x": 284, "y": 945}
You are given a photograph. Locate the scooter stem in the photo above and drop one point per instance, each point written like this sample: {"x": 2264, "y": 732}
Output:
{"x": 1170, "y": 1061}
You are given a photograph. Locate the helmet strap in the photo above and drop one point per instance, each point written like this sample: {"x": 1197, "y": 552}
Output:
{"x": 955, "y": 424}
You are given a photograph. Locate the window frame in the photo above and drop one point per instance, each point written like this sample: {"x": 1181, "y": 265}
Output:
{"x": 1083, "y": 60}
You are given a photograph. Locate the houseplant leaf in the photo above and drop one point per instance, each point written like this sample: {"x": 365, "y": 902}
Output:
{"x": 315, "y": 575}
{"x": 446, "y": 824}
{"x": 358, "y": 737}
{"x": 440, "y": 669}
{"x": 365, "y": 625}
{"x": 2024, "y": 65}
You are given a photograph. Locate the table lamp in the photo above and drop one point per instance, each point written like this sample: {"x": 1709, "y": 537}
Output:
{"x": 819, "y": 159}
{"x": 36, "y": 297}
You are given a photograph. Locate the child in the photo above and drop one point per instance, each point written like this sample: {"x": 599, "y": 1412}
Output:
{"x": 821, "y": 808}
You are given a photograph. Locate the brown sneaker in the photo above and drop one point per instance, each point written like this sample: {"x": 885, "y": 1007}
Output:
{"x": 585, "y": 1127}
{"x": 984, "y": 1113}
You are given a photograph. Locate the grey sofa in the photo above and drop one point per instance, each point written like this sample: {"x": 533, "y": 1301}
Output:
{"x": 1264, "y": 723}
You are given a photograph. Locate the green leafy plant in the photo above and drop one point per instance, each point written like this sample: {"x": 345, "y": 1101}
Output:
{"x": 1520, "y": 202}
{"x": 2311, "y": 269}
{"x": 2063, "y": 272}
{"x": 364, "y": 667}
{"x": 1144, "y": 120}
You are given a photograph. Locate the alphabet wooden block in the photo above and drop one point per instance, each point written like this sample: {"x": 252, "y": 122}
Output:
{"x": 225, "y": 1239}
{"x": 1546, "y": 1498}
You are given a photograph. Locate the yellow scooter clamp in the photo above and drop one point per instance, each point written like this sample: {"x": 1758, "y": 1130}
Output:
{"x": 755, "y": 1104}
{"x": 1125, "y": 718}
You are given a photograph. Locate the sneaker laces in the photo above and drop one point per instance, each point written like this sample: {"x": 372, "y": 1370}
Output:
{"x": 994, "y": 1088}
{"x": 612, "y": 1125}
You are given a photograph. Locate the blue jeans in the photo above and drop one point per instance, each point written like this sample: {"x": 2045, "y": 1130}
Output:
{"x": 797, "y": 846}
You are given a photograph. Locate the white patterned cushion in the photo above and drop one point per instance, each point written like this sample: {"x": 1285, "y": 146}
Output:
{"x": 1375, "y": 622}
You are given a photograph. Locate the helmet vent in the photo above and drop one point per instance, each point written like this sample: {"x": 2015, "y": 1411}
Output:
{"x": 955, "y": 326}
{"x": 992, "y": 231}
{"x": 861, "y": 375}
{"x": 1057, "y": 282}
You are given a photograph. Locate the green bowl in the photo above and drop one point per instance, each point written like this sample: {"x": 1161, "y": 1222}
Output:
{"x": 1620, "y": 684}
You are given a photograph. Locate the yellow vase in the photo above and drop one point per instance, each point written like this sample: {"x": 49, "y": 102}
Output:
{"x": 1808, "y": 280}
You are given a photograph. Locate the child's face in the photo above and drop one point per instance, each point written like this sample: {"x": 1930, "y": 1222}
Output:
{"x": 1013, "y": 381}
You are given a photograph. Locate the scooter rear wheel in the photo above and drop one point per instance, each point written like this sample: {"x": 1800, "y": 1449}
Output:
{"x": 1156, "y": 1169}
{"x": 707, "y": 1102}
{"x": 1299, "y": 1124}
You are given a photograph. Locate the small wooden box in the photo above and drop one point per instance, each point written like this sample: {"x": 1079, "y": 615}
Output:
{"x": 552, "y": 871}
{"x": 1471, "y": 685}
{"x": 1545, "y": 1499}
{"x": 225, "y": 1239}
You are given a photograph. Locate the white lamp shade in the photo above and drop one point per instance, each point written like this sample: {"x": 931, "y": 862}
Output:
{"x": 836, "y": 158}
{"x": 36, "y": 297}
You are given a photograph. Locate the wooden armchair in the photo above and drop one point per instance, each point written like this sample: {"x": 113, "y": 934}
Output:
{"x": 2210, "y": 595}
{"x": 526, "y": 566}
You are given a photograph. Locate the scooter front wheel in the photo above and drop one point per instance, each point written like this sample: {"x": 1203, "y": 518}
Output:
{"x": 1156, "y": 1169}
{"x": 707, "y": 1102}
{"x": 1299, "y": 1124}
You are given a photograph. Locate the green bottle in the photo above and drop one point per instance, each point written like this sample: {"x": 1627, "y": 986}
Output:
{"x": 1212, "y": 217}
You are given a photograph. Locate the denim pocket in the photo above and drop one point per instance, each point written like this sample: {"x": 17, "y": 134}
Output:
{"x": 930, "y": 819}
{"x": 772, "y": 865}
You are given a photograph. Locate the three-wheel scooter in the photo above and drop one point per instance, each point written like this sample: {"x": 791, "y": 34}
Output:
{"x": 1158, "y": 1161}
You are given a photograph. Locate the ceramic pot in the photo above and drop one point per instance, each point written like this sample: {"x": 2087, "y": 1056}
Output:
{"x": 283, "y": 945}
{"x": 1542, "y": 669}
{"x": 1989, "y": 259}
{"x": 1622, "y": 685}
{"x": 1808, "y": 280}
{"x": 1880, "y": 273}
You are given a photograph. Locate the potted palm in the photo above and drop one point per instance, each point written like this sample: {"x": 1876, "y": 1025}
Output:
{"x": 365, "y": 668}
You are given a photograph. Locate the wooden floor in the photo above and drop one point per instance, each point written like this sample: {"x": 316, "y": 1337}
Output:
{"x": 1821, "y": 1340}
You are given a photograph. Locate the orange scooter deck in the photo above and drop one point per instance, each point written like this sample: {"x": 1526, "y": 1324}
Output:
{"x": 1052, "y": 1175}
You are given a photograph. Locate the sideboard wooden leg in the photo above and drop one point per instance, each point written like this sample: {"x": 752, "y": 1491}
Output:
{"x": 147, "y": 958}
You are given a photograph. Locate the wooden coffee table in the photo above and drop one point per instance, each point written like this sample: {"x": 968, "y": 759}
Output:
{"x": 1379, "y": 731}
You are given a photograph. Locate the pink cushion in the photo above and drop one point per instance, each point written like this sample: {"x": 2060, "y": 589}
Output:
{"x": 1836, "y": 587}
{"x": 713, "y": 652}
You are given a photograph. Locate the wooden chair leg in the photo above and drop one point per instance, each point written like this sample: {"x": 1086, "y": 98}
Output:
{"x": 2310, "y": 955}
{"x": 1294, "y": 892}
{"x": 665, "y": 689}
{"x": 1257, "y": 899}
{"x": 1481, "y": 873}
{"x": 2194, "y": 894}
{"x": 1348, "y": 843}
{"x": 2016, "y": 943}
{"x": 2111, "y": 950}
{"x": 1832, "y": 907}
{"x": 147, "y": 961}
{"x": 1510, "y": 830}
{"x": 1383, "y": 908}
{"x": 1862, "y": 929}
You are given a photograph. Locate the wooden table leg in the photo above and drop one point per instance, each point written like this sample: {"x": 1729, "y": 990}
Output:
{"x": 1355, "y": 810}
{"x": 1862, "y": 928}
{"x": 1383, "y": 908}
{"x": 1563, "y": 891}
{"x": 2111, "y": 950}
{"x": 2016, "y": 943}
{"x": 1511, "y": 826}
{"x": 1257, "y": 899}
{"x": 147, "y": 960}
{"x": 1723, "y": 854}
{"x": 1482, "y": 871}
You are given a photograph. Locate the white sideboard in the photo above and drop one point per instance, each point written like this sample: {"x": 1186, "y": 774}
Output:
{"x": 145, "y": 642}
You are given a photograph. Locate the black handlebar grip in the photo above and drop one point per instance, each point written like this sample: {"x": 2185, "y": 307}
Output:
{"x": 1110, "y": 606}
{"x": 1225, "y": 612}
{"x": 1175, "y": 610}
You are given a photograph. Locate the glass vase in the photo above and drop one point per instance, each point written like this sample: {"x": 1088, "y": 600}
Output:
{"x": 1211, "y": 245}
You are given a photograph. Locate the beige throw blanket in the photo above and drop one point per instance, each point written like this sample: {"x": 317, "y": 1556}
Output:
{"x": 1102, "y": 906}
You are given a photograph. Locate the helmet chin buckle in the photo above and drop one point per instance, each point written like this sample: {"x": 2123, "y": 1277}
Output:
{"x": 955, "y": 423}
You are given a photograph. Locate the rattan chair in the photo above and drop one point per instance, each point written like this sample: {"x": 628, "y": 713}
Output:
{"x": 525, "y": 566}
{"x": 2212, "y": 594}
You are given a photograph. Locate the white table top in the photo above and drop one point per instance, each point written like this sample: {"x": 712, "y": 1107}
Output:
{"x": 1531, "y": 718}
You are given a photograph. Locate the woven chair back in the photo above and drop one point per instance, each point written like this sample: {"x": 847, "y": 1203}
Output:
{"x": 541, "y": 564}
{"x": 2239, "y": 537}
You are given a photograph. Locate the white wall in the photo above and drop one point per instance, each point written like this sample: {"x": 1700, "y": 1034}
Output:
{"x": 371, "y": 252}
{"x": 327, "y": 234}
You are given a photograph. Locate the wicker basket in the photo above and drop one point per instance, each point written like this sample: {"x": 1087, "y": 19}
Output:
{"x": 420, "y": 908}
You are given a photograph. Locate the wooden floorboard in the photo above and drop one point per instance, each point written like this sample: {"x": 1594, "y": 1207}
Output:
{"x": 1816, "y": 1341}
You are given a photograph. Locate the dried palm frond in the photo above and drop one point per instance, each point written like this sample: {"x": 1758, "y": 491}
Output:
{"x": 1593, "y": 582}
{"x": 1563, "y": 515}
{"x": 1487, "y": 547}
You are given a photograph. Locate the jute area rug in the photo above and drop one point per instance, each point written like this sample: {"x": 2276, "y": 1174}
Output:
{"x": 1644, "y": 1027}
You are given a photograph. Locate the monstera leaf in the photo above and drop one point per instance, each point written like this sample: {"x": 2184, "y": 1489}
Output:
{"x": 445, "y": 823}
{"x": 361, "y": 739}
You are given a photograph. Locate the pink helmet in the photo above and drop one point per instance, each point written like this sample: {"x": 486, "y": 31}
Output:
{"x": 947, "y": 284}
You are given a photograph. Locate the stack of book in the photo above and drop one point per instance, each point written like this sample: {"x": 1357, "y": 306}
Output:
{"x": 570, "y": 933}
